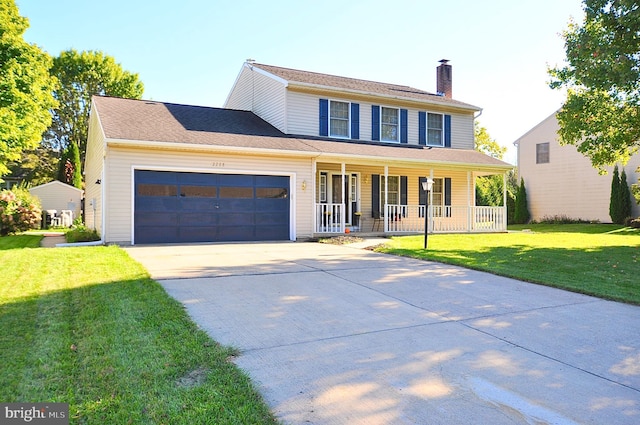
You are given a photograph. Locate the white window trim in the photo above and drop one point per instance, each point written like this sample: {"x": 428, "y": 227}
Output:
{"x": 322, "y": 187}
{"x": 348, "y": 136}
{"x": 382, "y": 197}
{"x": 426, "y": 129}
{"x": 381, "y": 124}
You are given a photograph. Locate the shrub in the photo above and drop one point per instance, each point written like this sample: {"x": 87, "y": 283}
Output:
{"x": 82, "y": 234}
{"x": 19, "y": 211}
{"x": 521, "y": 214}
{"x": 562, "y": 219}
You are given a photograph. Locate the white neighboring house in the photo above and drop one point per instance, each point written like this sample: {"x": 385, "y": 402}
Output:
{"x": 561, "y": 181}
{"x": 59, "y": 196}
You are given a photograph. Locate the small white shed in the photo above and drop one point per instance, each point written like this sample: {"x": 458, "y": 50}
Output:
{"x": 59, "y": 196}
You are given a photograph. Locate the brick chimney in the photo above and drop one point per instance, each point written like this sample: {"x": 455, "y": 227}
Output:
{"x": 444, "y": 79}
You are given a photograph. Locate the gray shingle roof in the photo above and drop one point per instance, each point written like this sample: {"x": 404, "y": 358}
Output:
{"x": 363, "y": 86}
{"x": 130, "y": 120}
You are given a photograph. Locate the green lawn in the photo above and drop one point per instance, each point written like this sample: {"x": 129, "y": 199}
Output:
{"x": 87, "y": 326}
{"x": 595, "y": 259}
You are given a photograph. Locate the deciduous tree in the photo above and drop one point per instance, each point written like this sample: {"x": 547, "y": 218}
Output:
{"x": 82, "y": 75}
{"x": 601, "y": 114}
{"x": 25, "y": 88}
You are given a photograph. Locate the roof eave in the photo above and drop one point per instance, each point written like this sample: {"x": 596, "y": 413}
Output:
{"x": 435, "y": 101}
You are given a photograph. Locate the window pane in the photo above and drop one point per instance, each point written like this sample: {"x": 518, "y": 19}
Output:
{"x": 340, "y": 110}
{"x": 339, "y": 128}
{"x": 272, "y": 192}
{"x": 434, "y": 121}
{"x": 157, "y": 190}
{"x": 199, "y": 191}
{"x": 434, "y": 137}
{"x": 389, "y": 132}
{"x": 236, "y": 192}
{"x": 389, "y": 115}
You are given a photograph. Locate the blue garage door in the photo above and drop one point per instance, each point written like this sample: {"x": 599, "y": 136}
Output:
{"x": 175, "y": 207}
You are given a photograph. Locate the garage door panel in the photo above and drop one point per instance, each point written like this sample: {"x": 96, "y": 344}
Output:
{"x": 198, "y": 234}
{"x": 236, "y": 219}
{"x": 198, "y": 219}
{"x": 200, "y": 207}
{"x": 271, "y": 219}
{"x": 157, "y": 219}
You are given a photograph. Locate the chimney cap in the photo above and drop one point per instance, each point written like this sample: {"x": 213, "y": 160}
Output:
{"x": 443, "y": 61}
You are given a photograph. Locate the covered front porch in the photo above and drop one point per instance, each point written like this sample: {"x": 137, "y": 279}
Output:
{"x": 390, "y": 200}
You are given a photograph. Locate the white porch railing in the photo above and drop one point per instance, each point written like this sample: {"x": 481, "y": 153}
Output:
{"x": 410, "y": 219}
{"x": 444, "y": 219}
{"x": 329, "y": 218}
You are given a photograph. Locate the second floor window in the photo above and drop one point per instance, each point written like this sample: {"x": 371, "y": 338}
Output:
{"x": 338, "y": 119}
{"x": 389, "y": 124}
{"x": 434, "y": 129}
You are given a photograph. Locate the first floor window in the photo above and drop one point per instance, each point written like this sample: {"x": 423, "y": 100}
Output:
{"x": 434, "y": 129}
{"x": 338, "y": 119}
{"x": 389, "y": 124}
{"x": 393, "y": 188}
{"x": 322, "y": 187}
{"x": 542, "y": 153}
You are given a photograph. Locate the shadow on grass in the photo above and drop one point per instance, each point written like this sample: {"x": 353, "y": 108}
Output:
{"x": 119, "y": 352}
{"x": 606, "y": 272}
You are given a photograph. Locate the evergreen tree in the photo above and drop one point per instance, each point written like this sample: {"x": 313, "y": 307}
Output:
{"x": 521, "y": 214}
{"x": 615, "y": 202}
{"x": 625, "y": 198}
{"x": 74, "y": 156}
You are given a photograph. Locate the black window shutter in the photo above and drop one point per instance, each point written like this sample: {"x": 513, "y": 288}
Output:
{"x": 404, "y": 127}
{"x": 375, "y": 122}
{"x": 403, "y": 194}
{"x": 447, "y": 131}
{"x": 324, "y": 117}
{"x": 422, "y": 128}
{"x": 447, "y": 195}
{"x": 375, "y": 194}
{"x": 355, "y": 121}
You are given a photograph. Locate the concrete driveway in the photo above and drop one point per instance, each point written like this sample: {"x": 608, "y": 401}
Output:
{"x": 341, "y": 335}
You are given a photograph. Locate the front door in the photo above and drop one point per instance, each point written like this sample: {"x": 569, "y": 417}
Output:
{"x": 350, "y": 195}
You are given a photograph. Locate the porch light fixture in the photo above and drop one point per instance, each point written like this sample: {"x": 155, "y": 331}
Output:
{"x": 304, "y": 185}
{"x": 426, "y": 186}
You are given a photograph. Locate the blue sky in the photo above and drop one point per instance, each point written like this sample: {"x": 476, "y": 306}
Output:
{"x": 191, "y": 51}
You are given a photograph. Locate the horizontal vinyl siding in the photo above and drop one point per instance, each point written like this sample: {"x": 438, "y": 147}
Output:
{"x": 93, "y": 172}
{"x": 121, "y": 161}
{"x": 568, "y": 184}
{"x": 303, "y": 114}
{"x": 462, "y": 131}
{"x": 269, "y": 100}
{"x": 241, "y": 95}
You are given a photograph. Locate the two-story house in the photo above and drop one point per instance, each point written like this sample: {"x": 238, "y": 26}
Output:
{"x": 292, "y": 155}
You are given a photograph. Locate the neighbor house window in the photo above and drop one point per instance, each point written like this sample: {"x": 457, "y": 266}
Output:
{"x": 389, "y": 124}
{"x": 542, "y": 153}
{"x": 434, "y": 129}
{"x": 338, "y": 119}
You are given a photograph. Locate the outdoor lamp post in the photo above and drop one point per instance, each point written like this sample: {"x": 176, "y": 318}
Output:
{"x": 426, "y": 186}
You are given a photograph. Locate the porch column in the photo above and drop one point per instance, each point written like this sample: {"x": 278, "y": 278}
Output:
{"x": 314, "y": 208}
{"x": 343, "y": 219}
{"x": 386, "y": 198}
{"x": 504, "y": 201}
{"x": 469, "y": 198}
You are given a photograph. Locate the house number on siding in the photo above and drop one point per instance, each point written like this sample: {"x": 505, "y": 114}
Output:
{"x": 218, "y": 164}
